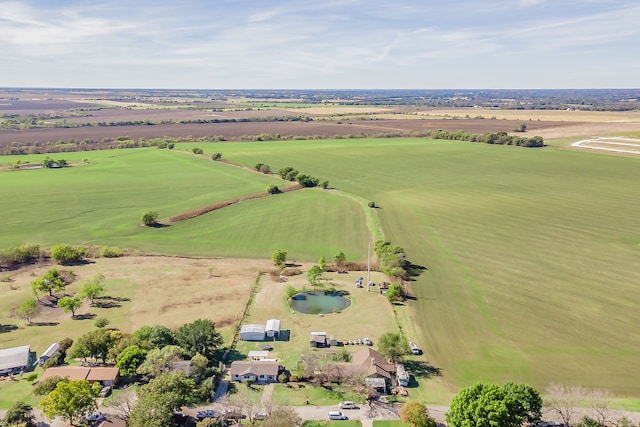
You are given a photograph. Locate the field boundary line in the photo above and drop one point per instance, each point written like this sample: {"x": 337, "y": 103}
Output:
{"x": 608, "y": 141}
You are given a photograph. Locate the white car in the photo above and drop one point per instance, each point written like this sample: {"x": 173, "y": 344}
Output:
{"x": 347, "y": 405}
{"x": 337, "y": 415}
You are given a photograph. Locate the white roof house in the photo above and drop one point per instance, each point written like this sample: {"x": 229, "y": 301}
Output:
{"x": 272, "y": 328}
{"x": 16, "y": 359}
{"x": 252, "y": 332}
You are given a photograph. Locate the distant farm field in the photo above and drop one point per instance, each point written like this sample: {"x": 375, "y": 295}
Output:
{"x": 533, "y": 255}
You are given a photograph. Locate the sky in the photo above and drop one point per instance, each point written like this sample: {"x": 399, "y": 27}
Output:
{"x": 320, "y": 44}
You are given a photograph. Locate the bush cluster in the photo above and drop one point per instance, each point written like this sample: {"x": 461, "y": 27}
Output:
{"x": 23, "y": 254}
{"x": 392, "y": 258}
{"x": 291, "y": 174}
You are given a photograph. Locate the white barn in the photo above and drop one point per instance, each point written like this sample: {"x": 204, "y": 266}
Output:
{"x": 252, "y": 332}
{"x": 272, "y": 328}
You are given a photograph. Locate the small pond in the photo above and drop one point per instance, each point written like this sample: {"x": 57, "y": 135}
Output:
{"x": 319, "y": 302}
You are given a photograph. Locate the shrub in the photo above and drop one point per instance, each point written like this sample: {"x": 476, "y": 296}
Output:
{"x": 290, "y": 291}
{"x": 22, "y": 254}
{"x": 371, "y": 204}
{"x": 216, "y": 156}
{"x": 197, "y": 151}
{"x": 48, "y": 385}
{"x": 101, "y": 322}
{"x": 170, "y": 146}
{"x": 52, "y": 361}
{"x": 66, "y": 254}
{"x": 107, "y": 252}
{"x": 324, "y": 184}
{"x": 32, "y": 376}
{"x": 273, "y": 189}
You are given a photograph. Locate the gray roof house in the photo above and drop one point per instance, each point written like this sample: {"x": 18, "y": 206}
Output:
{"x": 259, "y": 371}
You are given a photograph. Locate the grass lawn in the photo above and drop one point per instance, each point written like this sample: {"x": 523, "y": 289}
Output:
{"x": 370, "y": 315}
{"x": 344, "y": 423}
{"x": 12, "y": 391}
{"x": 298, "y": 393}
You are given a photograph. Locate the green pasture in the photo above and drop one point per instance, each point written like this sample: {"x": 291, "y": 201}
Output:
{"x": 100, "y": 203}
{"x": 533, "y": 255}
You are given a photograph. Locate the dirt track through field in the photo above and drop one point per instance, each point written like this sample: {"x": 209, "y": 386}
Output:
{"x": 609, "y": 144}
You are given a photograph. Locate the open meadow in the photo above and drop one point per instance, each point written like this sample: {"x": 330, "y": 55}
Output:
{"x": 532, "y": 255}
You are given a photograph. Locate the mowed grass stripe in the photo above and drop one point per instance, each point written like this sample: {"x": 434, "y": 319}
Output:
{"x": 306, "y": 223}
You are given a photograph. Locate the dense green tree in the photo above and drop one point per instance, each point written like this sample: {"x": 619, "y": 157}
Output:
{"x": 313, "y": 274}
{"x": 46, "y": 386}
{"x": 273, "y": 189}
{"x": 161, "y": 336}
{"x": 150, "y": 218}
{"x": 416, "y": 414}
{"x": 27, "y": 309}
{"x": 511, "y": 405}
{"x": 160, "y": 360}
{"x": 199, "y": 368}
{"x": 279, "y": 258}
{"x": 70, "y": 305}
{"x": 71, "y": 401}
{"x": 20, "y": 413}
{"x": 393, "y": 346}
{"x": 94, "y": 343}
{"x": 130, "y": 359}
{"x": 339, "y": 259}
{"x": 322, "y": 262}
{"x": 199, "y": 336}
{"x": 50, "y": 282}
{"x": 68, "y": 254}
{"x": 394, "y": 292}
{"x": 93, "y": 288}
{"x": 158, "y": 399}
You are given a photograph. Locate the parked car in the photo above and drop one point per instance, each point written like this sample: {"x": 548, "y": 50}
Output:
{"x": 207, "y": 413}
{"x": 106, "y": 391}
{"x": 337, "y": 415}
{"x": 347, "y": 405}
{"x": 260, "y": 416}
{"x": 96, "y": 417}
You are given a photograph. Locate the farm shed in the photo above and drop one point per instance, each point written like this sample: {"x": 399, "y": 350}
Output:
{"x": 252, "y": 332}
{"x": 272, "y": 328}
{"x": 48, "y": 353}
{"x": 402, "y": 375}
{"x": 318, "y": 339}
{"x": 16, "y": 360}
{"x": 259, "y": 371}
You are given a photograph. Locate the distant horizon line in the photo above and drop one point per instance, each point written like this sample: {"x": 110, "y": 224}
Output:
{"x": 318, "y": 89}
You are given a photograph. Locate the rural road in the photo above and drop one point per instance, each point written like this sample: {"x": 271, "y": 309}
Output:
{"x": 613, "y": 141}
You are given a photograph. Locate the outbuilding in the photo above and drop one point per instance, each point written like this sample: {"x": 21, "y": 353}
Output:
{"x": 402, "y": 375}
{"x": 272, "y": 328}
{"x": 252, "y": 332}
{"x": 48, "y": 353}
{"x": 318, "y": 339}
{"x": 16, "y": 360}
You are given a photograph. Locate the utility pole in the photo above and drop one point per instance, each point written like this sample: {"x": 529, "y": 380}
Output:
{"x": 369, "y": 267}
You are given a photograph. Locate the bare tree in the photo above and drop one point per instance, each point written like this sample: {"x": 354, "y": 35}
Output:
{"x": 247, "y": 401}
{"x": 564, "y": 400}
{"x": 600, "y": 400}
{"x": 282, "y": 416}
{"x": 123, "y": 403}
